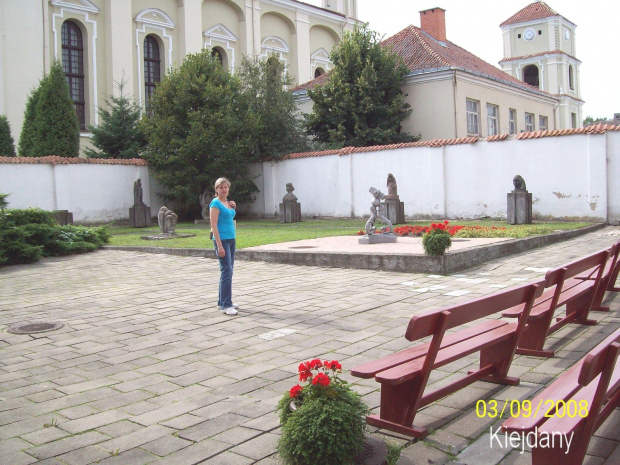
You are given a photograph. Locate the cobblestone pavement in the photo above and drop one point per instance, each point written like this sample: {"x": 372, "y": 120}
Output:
{"x": 147, "y": 370}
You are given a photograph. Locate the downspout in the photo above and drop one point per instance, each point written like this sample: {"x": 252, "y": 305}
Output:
{"x": 454, "y": 101}
{"x": 45, "y": 33}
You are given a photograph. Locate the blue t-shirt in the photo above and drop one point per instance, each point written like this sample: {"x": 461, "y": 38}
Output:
{"x": 225, "y": 224}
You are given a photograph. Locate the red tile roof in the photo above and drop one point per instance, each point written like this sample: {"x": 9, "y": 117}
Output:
{"x": 594, "y": 129}
{"x": 549, "y": 52}
{"x": 55, "y": 160}
{"x": 421, "y": 52}
{"x": 533, "y": 11}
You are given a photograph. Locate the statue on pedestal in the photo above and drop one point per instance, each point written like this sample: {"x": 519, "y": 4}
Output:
{"x": 167, "y": 220}
{"x": 376, "y": 211}
{"x": 519, "y": 209}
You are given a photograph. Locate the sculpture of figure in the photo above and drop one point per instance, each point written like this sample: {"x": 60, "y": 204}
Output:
{"x": 167, "y": 220}
{"x": 137, "y": 193}
{"x": 376, "y": 212}
{"x": 391, "y": 185}
{"x": 519, "y": 183}
{"x": 205, "y": 200}
{"x": 289, "y": 197}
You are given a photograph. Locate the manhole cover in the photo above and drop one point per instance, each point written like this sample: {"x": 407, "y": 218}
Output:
{"x": 375, "y": 452}
{"x": 33, "y": 328}
{"x": 304, "y": 247}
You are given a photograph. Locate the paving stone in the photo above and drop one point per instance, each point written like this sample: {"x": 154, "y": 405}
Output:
{"x": 130, "y": 457}
{"x": 93, "y": 421}
{"x": 84, "y": 456}
{"x": 196, "y": 453}
{"x": 258, "y": 448}
{"x": 165, "y": 445}
{"x": 57, "y": 448}
{"x": 211, "y": 427}
{"x": 135, "y": 439}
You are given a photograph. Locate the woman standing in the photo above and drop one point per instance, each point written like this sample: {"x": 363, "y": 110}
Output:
{"x": 221, "y": 213}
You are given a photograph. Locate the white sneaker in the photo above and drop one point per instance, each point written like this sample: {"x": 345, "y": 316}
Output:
{"x": 230, "y": 311}
{"x": 235, "y": 306}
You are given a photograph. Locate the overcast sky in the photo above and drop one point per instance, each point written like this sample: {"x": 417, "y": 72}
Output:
{"x": 474, "y": 25}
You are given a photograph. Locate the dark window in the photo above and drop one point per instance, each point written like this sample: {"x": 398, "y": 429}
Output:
{"x": 215, "y": 53}
{"x": 318, "y": 72}
{"x": 73, "y": 66}
{"x": 530, "y": 75}
{"x": 151, "y": 67}
{"x": 571, "y": 80}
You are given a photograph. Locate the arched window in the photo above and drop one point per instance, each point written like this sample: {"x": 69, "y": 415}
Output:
{"x": 151, "y": 67}
{"x": 73, "y": 66}
{"x": 571, "y": 78}
{"x": 318, "y": 72}
{"x": 215, "y": 53}
{"x": 530, "y": 75}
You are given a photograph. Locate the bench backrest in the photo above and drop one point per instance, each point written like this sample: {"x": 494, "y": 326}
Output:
{"x": 569, "y": 270}
{"x": 599, "y": 359}
{"x": 426, "y": 323}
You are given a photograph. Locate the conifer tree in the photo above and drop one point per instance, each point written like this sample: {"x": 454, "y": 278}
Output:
{"x": 362, "y": 103}
{"x": 56, "y": 129}
{"x": 7, "y": 144}
{"x": 118, "y": 135}
{"x": 26, "y": 138}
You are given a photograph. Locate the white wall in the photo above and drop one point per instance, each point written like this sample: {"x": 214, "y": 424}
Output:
{"x": 571, "y": 177}
{"x": 93, "y": 192}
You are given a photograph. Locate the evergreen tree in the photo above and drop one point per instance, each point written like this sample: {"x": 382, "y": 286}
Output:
{"x": 26, "y": 138}
{"x": 201, "y": 127}
{"x": 362, "y": 103}
{"x": 118, "y": 135}
{"x": 56, "y": 129}
{"x": 279, "y": 125}
{"x": 7, "y": 144}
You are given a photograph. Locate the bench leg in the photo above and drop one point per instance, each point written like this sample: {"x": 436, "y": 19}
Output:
{"x": 577, "y": 310}
{"x": 532, "y": 341}
{"x": 500, "y": 356}
{"x": 399, "y": 405}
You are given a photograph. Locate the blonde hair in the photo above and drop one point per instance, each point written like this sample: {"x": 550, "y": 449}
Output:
{"x": 221, "y": 181}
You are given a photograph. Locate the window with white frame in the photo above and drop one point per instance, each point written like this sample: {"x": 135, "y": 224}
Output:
{"x": 492, "y": 119}
{"x": 512, "y": 121}
{"x": 473, "y": 117}
{"x": 543, "y": 124}
{"x": 529, "y": 122}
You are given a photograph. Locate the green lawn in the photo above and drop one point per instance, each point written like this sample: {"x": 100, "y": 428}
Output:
{"x": 252, "y": 232}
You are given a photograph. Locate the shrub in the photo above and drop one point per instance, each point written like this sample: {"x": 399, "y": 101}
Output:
{"x": 437, "y": 239}
{"x": 18, "y": 217}
{"x": 7, "y": 144}
{"x": 14, "y": 249}
{"x": 328, "y": 423}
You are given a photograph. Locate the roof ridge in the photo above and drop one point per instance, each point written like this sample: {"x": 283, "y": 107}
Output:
{"x": 417, "y": 31}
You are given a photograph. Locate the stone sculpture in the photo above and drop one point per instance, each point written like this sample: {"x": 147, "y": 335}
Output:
{"x": 377, "y": 210}
{"x": 205, "y": 201}
{"x": 290, "y": 209}
{"x": 139, "y": 214}
{"x": 394, "y": 208}
{"x": 167, "y": 220}
{"x": 519, "y": 209}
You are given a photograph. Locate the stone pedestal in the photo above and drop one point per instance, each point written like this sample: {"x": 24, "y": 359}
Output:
{"x": 63, "y": 217}
{"x": 140, "y": 216}
{"x": 395, "y": 210}
{"x": 290, "y": 212}
{"x": 519, "y": 209}
{"x": 388, "y": 238}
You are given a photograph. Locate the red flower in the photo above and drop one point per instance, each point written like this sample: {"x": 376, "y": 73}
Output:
{"x": 332, "y": 365}
{"x": 321, "y": 379}
{"x": 295, "y": 390}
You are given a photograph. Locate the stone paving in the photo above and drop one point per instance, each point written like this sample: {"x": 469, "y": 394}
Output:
{"x": 147, "y": 370}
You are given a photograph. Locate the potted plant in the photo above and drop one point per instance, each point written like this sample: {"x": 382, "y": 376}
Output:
{"x": 324, "y": 421}
{"x": 436, "y": 239}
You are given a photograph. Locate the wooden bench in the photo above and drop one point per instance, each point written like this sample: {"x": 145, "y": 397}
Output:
{"x": 608, "y": 280}
{"x": 404, "y": 375}
{"x": 594, "y": 380}
{"x": 562, "y": 288}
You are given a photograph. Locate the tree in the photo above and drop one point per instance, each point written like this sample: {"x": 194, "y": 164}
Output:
{"x": 201, "y": 128}
{"x": 7, "y": 144}
{"x": 26, "y": 138}
{"x": 591, "y": 120}
{"x": 50, "y": 122}
{"x": 280, "y": 128}
{"x": 118, "y": 135}
{"x": 362, "y": 103}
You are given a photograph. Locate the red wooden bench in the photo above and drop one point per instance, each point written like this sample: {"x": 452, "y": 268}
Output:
{"x": 404, "y": 375}
{"x": 608, "y": 280}
{"x": 595, "y": 380}
{"x": 562, "y": 288}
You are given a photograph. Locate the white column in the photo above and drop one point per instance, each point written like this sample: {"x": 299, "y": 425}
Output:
{"x": 303, "y": 47}
{"x": 190, "y": 15}
{"x": 249, "y": 28}
{"x": 120, "y": 58}
{"x": 256, "y": 12}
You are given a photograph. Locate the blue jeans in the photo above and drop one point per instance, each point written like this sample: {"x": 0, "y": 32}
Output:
{"x": 227, "y": 263}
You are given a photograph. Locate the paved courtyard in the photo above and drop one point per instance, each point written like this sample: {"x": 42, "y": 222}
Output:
{"x": 147, "y": 370}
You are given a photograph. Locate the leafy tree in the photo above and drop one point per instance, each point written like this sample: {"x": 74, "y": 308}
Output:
{"x": 7, "y": 144}
{"x": 591, "y": 120}
{"x": 118, "y": 135}
{"x": 201, "y": 128}
{"x": 50, "y": 122}
{"x": 361, "y": 104}
{"x": 26, "y": 138}
{"x": 265, "y": 84}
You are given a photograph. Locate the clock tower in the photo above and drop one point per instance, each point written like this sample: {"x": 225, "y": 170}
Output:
{"x": 539, "y": 49}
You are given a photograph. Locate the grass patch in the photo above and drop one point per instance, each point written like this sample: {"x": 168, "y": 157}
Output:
{"x": 252, "y": 232}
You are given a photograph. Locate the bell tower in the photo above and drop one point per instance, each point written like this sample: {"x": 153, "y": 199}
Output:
{"x": 539, "y": 49}
{"x": 345, "y": 7}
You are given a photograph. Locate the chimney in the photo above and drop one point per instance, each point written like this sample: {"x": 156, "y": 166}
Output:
{"x": 433, "y": 22}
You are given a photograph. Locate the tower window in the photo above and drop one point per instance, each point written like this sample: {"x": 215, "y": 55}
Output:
{"x": 571, "y": 78}
{"x": 73, "y": 66}
{"x": 151, "y": 67}
{"x": 530, "y": 75}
